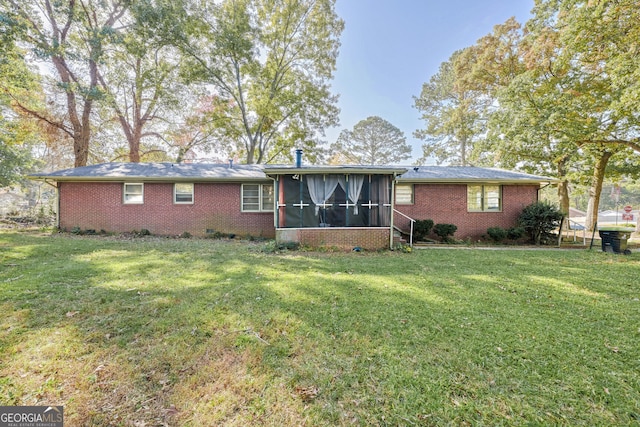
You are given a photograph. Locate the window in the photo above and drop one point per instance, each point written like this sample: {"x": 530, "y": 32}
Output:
{"x": 484, "y": 198}
{"x": 257, "y": 198}
{"x": 183, "y": 193}
{"x": 133, "y": 193}
{"x": 404, "y": 194}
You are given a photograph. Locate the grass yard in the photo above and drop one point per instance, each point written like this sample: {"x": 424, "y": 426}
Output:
{"x": 153, "y": 331}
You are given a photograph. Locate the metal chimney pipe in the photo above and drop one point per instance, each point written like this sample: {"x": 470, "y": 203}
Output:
{"x": 298, "y": 158}
{"x": 230, "y": 163}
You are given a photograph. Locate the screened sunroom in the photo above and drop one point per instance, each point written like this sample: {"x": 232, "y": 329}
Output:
{"x": 334, "y": 205}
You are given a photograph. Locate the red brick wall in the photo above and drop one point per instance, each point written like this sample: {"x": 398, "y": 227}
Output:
{"x": 345, "y": 238}
{"x": 447, "y": 203}
{"x": 216, "y": 207}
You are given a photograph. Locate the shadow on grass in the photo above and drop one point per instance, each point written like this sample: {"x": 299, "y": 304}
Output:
{"x": 208, "y": 333}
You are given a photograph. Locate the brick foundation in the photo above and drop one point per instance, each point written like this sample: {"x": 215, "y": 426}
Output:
{"x": 344, "y": 238}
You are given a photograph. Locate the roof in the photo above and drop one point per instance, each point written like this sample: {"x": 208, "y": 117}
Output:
{"x": 453, "y": 174}
{"x": 158, "y": 172}
{"x": 239, "y": 172}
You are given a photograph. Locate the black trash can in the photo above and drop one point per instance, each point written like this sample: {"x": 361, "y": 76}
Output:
{"x": 614, "y": 241}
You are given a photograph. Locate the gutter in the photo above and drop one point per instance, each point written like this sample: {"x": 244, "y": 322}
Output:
{"x": 144, "y": 179}
{"x": 474, "y": 180}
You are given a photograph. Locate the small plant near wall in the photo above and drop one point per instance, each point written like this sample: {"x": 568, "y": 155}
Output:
{"x": 402, "y": 247}
{"x": 497, "y": 234}
{"x": 273, "y": 247}
{"x": 515, "y": 233}
{"x": 445, "y": 231}
{"x": 422, "y": 228}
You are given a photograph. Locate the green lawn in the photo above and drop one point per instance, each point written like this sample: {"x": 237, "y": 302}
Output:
{"x": 207, "y": 332}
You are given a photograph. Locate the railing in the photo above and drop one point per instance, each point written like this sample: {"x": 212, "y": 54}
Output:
{"x": 411, "y": 222}
{"x": 574, "y": 226}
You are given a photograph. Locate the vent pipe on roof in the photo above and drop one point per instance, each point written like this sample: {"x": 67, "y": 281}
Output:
{"x": 298, "y": 158}
{"x": 230, "y": 163}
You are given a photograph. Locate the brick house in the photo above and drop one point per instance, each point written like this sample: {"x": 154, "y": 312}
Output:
{"x": 344, "y": 206}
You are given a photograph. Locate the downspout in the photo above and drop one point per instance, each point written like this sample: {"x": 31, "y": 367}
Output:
{"x": 542, "y": 188}
{"x": 276, "y": 204}
{"x": 539, "y": 190}
{"x": 393, "y": 205}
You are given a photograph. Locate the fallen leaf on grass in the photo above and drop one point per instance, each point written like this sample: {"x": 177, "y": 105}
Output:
{"x": 171, "y": 410}
{"x": 72, "y": 313}
{"x": 307, "y": 393}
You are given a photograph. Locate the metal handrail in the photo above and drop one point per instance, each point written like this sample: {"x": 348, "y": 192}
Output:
{"x": 412, "y": 221}
{"x": 573, "y": 225}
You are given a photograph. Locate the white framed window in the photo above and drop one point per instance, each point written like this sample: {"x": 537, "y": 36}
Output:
{"x": 257, "y": 198}
{"x": 484, "y": 198}
{"x": 133, "y": 193}
{"x": 404, "y": 194}
{"x": 183, "y": 193}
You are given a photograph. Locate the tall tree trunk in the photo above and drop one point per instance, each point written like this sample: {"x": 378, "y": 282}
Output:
{"x": 463, "y": 151}
{"x": 81, "y": 147}
{"x": 563, "y": 190}
{"x": 596, "y": 189}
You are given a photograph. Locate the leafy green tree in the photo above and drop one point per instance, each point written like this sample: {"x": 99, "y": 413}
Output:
{"x": 69, "y": 38}
{"x": 452, "y": 110}
{"x": 558, "y": 110}
{"x": 373, "y": 141}
{"x": 268, "y": 63}
{"x": 586, "y": 90}
{"x": 139, "y": 76}
{"x": 17, "y": 132}
{"x": 15, "y": 160}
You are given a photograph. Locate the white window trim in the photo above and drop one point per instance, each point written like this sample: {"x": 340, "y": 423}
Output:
{"x": 124, "y": 193}
{"x": 261, "y": 208}
{"x": 412, "y": 194}
{"x": 483, "y": 202}
{"x": 193, "y": 190}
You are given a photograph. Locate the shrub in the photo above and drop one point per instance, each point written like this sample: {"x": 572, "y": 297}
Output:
{"x": 444, "y": 231}
{"x": 185, "y": 235}
{"x": 539, "y": 219}
{"x": 402, "y": 247}
{"x": 275, "y": 247}
{"x": 515, "y": 233}
{"x": 422, "y": 228}
{"x": 497, "y": 234}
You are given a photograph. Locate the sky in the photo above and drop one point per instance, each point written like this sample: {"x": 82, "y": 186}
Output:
{"x": 389, "y": 48}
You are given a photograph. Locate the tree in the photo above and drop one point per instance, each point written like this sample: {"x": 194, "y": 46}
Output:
{"x": 453, "y": 113}
{"x": 587, "y": 80}
{"x": 270, "y": 61}
{"x": 558, "y": 111}
{"x": 373, "y": 141}
{"x": 197, "y": 132}
{"x": 15, "y": 159}
{"x": 69, "y": 36}
{"x": 17, "y": 132}
{"x": 139, "y": 77}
